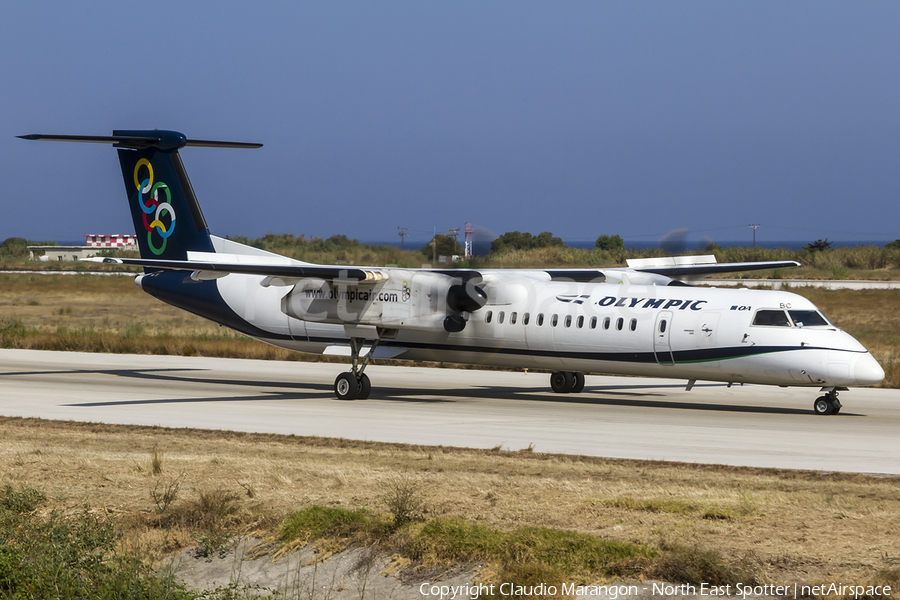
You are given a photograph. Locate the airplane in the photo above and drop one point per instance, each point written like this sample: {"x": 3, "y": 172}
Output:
{"x": 645, "y": 319}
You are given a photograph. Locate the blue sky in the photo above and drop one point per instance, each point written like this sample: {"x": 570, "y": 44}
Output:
{"x": 582, "y": 118}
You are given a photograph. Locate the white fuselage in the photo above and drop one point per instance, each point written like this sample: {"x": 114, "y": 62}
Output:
{"x": 694, "y": 333}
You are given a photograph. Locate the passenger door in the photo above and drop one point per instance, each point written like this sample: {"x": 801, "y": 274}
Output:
{"x": 661, "y": 346}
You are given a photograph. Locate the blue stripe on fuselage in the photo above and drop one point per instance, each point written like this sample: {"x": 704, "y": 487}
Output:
{"x": 201, "y": 298}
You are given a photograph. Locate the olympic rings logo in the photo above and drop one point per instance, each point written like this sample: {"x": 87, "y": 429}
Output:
{"x": 160, "y": 210}
{"x": 406, "y": 291}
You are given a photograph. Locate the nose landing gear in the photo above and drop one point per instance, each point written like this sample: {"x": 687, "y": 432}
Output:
{"x": 827, "y": 404}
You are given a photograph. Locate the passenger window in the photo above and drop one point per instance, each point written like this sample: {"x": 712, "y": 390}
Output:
{"x": 606, "y": 323}
{"x": 554, "y": 320}
{"x": 771, "y": 318}
{"x": 487, "y": 317}
{"x": 620, "y": 322}
{"x": 500, "y": 317}
{"x": 662, "y": 326}
{"x": 633, "y": 324}
{"x": 525, "y": 319}
{"x": 593, "y": 322}
{"x": 512, "y": 318}
{"x": 568, "y": 320}
{"x": 580, "y": 322}
{"x": 540, "y": 319}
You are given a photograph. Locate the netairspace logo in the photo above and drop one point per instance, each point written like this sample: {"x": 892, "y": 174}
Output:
{"x": 613, "y": 592}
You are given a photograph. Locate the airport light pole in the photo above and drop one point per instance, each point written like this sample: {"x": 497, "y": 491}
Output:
{"x": 754, "y": 233}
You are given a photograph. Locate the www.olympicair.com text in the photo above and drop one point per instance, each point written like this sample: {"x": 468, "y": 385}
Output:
{"x": 476, "y": 590}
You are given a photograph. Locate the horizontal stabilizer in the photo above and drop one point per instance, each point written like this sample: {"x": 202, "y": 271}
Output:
{"x": 141, "y": 140}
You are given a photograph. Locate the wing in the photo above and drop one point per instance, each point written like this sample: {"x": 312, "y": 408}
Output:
{"x": 212, "y": 265}
{"x": 206, "y": 269}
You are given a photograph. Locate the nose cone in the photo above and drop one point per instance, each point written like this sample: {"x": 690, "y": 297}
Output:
{"x": 868, "y": 371}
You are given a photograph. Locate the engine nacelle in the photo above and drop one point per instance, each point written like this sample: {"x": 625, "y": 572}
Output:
{"x": 418, "y": 300}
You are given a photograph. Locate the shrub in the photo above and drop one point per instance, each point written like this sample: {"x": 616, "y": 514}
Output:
{"x": 72, "y": 558}
{"x": 689, "y": 564}
{"x": 22, "y": 501}
{"x": 403, "y": 494}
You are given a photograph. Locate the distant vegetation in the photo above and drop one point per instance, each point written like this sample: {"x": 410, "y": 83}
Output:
{"x": 516, "y": 240}
{"x": 338, "y": 249}
{"x": 446, "y": 246}
{"x": 818, "y": 245}
{"x": 17, "y": 247}
{"x": 515, "y": 249}
{"x": 610, "y": 242}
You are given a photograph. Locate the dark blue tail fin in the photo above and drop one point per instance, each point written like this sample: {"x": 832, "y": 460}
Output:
{"x": 165, "y": 211}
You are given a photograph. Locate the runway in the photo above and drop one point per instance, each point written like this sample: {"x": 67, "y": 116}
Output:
{"x": 619, "y": 417}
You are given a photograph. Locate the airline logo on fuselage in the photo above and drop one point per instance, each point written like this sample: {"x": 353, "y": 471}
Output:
{"x": 353, "y": 295}
{"x": 657, "y": 303}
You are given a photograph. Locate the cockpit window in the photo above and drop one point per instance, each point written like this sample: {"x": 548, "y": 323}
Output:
{"x": 777, "y": 318}
{"x": 808, "y": 318}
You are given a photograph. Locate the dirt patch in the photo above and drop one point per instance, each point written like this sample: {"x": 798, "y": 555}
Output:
{"x": 350, "y": 575}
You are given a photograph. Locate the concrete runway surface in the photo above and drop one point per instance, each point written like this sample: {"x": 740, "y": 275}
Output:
{"x": 620, "y": 417}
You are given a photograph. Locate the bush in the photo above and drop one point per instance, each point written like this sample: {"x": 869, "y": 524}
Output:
{"x": 404, "y": 496}
{"x": 69, "y": 558}
{"x": 23, "y": 501}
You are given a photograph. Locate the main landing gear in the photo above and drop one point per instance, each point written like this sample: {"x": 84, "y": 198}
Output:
{"x": 827, "y": 404}
{"x": 567, "y": 382}
{"x": 354, "y": 384}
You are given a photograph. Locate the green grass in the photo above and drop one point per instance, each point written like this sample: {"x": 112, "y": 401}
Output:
{"x": 525, "y": 556}
{"x": 690, "y": 564}
{"x": 675, "y": 506}
{"x": 21, "y": 501}
{"x": 318, "y": 522}
{"x": 576, "y": 555}
{"x": 668, "y": 505}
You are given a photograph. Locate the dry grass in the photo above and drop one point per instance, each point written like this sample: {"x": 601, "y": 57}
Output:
{"x": 787, "y": 525}
{"x": 105, "y": 303}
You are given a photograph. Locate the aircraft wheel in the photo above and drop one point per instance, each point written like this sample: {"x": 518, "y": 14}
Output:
{"x": 578, "y": 383}
{"x": 345, "y": 386}
{"x": 823, "y": 406}
{"x": 365, "y": 387}
{"x": 562, "y": 382}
